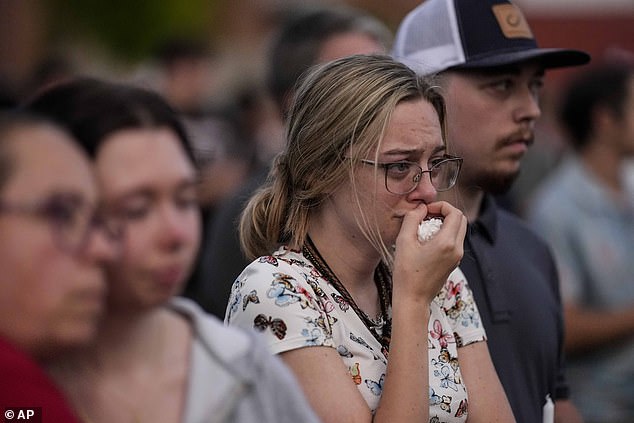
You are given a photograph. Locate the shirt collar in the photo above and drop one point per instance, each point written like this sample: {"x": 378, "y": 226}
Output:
{"x": 487, "y": 222}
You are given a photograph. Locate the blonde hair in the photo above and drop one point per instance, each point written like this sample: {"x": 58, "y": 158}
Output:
{"x": 339, "y": 115}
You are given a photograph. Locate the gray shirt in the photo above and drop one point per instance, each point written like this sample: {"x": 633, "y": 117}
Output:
{"x": 234, "y": 378}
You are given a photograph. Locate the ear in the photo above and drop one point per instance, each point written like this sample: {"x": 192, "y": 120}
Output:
{"x": 603, "y": 119}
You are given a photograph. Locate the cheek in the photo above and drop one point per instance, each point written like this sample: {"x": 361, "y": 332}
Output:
{"x": 192, "y": 239}
{"x": 387, "y": 208}
{"x": 48, "y": 290}
{"x": 34, "y": 266}
{"x": 463, "y": 123}
{"x": 135, "y": 245}
{"x": 194, "y": 229}
{"x": 39, "y": 296}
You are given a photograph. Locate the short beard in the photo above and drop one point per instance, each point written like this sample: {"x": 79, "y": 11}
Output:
{"x": 497, "y": 183}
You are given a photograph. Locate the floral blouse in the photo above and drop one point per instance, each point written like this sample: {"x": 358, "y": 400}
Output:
{"x": 286, "y": 299}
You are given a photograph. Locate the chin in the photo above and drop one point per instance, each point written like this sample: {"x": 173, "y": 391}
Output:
{"x": 78, "y": 334}
{"x": 498, "y": 183}
{"x": 159, "y": 298}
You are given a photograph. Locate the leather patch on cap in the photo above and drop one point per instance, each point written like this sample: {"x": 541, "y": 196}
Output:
{"x": 511, "y": 21}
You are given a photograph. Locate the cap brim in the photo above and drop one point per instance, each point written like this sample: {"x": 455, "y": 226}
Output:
{"x": 548, "y": 57}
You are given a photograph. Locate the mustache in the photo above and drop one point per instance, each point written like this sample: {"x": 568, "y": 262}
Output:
{"x": 523, "y": 134}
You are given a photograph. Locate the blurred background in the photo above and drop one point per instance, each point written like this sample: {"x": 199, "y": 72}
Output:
{"x": 121, "y": 38}
{"x": 208, "y": 57}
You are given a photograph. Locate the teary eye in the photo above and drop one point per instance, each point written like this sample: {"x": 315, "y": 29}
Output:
{"x": 399, "y": 168}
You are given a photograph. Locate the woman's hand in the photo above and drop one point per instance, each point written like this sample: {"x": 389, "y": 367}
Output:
{"x": 421, "y": 268}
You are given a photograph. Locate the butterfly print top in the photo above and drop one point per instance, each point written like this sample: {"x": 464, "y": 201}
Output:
{"x": 286, "y": 299}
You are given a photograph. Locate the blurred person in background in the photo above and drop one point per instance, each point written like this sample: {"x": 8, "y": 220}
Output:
{"x": 51, "y": 69}
{"x": 187, "y": 75}
{"x": 585, "y": 210}
{"x": 8, "y": 98}
{"x": 52, "y": 255}
{"x": 220, "y": 135}
{"x": 491, "y": 70}
{"x": 310, "y": 36}
{"x": 157, "y": 358}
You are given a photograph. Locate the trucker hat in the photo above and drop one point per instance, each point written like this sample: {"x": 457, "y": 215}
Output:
{"x": 468, "y": 34}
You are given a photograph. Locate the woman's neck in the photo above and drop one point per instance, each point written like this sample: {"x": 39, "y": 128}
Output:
{"x": 128, "y": 338}
{"x": 351, "y": 258}
{"x": 137, "y": 370}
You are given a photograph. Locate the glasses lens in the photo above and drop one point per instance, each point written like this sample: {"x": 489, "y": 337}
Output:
{"x": 444, "y": 174}
{"x": 70, "y": 220}
{"x": 402, "y": 177}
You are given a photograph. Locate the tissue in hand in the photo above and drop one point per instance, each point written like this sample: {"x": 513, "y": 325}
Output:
{"x": 428, "y": 228}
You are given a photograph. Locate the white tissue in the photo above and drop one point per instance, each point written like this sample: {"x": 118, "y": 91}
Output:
{"x": 428, "y": 228}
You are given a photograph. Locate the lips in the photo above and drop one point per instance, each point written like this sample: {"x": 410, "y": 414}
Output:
{"x": 516, "y": 148}
{"x": 170, "y": 276}
{"x": 518, "y": 142}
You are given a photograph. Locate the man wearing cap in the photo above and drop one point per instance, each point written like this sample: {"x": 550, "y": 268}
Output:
{"x": 491, "y": 72}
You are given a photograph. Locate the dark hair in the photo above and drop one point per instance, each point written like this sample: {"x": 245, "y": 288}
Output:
{"x": 604, "y": 85}
{"x": 92, "y": 109}
{"x": 175, "y": 49}
{"x": 297, "y": 46}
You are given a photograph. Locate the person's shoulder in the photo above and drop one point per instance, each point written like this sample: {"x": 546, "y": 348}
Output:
{"x": 226, "y": 342}
{"x": 510, "y": 221}
{"x": 557, "y": 197}
{"x": 284, "y": 260}
{"x": 240, "y": 364}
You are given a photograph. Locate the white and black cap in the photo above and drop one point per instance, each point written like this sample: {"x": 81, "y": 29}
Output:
{"x": 468, "y": 34}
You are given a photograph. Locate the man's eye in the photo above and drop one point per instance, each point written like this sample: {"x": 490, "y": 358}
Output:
{"x": 502, "y": 86}
{"x": 536, "y": 86}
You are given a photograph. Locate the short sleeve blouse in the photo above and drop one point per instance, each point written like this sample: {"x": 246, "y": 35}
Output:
{"x": 286, "y": 299}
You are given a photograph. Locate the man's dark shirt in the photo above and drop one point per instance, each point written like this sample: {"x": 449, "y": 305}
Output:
{"x": 514, "y": 281}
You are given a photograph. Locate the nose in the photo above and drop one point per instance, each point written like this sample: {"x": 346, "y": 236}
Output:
{"x": 101, "y": 247}
{"x": 527, "y": 109}
{"x": 178, "y": 227}
{"x": 424, "y": 192}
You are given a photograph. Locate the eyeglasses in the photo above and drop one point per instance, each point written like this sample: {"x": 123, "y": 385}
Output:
{"x": 403, "y": 177}
{"x": 70, "y": 219}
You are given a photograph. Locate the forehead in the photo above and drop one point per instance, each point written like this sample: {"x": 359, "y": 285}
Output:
{"x": 133, "y": 158}
{"x": 44, "y": 161}
{"x": 413, "y": 127}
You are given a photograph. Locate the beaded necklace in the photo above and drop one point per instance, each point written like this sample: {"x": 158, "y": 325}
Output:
{"x": 381, "y": 328}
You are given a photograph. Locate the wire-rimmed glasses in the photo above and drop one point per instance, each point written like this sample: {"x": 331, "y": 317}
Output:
{"x": 403, "y": 177}
{"x": 70, "y": 219}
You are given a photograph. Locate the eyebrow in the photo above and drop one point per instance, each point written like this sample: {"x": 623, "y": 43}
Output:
{"x": 148, "y": 192}
{"x": 399, "y": 151}
{"x": 69, "y": 194}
